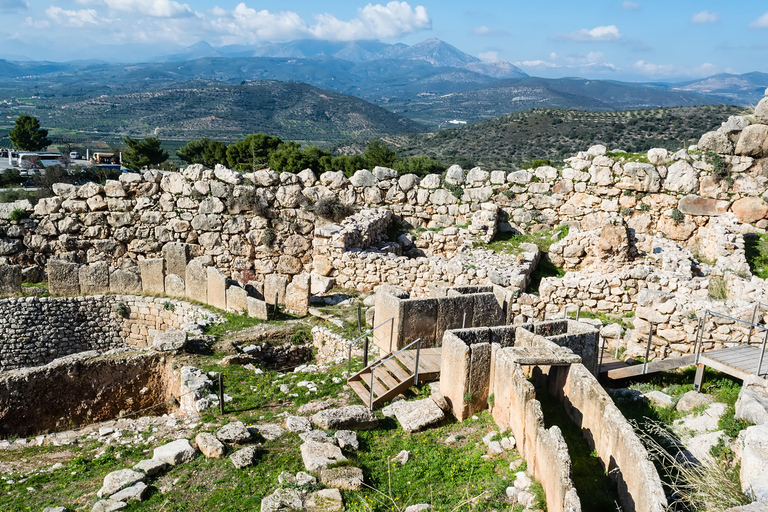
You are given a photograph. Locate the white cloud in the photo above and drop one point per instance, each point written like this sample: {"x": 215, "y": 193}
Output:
{"x": 602, "y": 33}
{"x": 489, "y": 56}
{"x": 372, "y": 22}
{"x": 488, "y": 31}
{"x": 761, "y": 22}
{"x": 75, "y": 19}
{"x": 671, "y": 70}
{"x": 703, "y": 17}
{"x": 152, "y": 8}
{"x": 13, "y": 5}
{"x": 628, "y": 5}
{"x": 37, "y": 23}
{"x": 591, "y": 62}
{"x": 536, "y": 64}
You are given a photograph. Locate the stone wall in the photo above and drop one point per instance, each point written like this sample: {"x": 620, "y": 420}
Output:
{"x": 35, "y": 331}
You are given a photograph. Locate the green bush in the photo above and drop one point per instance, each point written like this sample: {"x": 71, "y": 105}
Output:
{"x": 627, "y": 212}
{"x": 677, "y": 216}
{"x": 644, "y": 207}
{"x": 269, "y": 236}
{"x": 332, "y": 209}
{"x": 456, "y": 190}
{"x": 18, "y": 214}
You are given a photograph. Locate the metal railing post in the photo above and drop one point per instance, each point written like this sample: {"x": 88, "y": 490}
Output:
{"x": 349, "y": 359}
{"x": 578, "y": 312}
{"x": 365, "y": 352}
{"x": 648, "y": 348}
{"x": 418, "y": 352}
{"x": 464, "y": 321}
{"x": 602, "y": 349}
{"x": 370, "y": 402}
{"x": 752, "y": 327}
{"x": 762, "y": 353}
{"x": 359, "y": 318}
{"x": 391, "y": 333}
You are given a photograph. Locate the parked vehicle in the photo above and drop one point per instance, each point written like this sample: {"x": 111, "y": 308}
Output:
{"x": 75, "y": 155}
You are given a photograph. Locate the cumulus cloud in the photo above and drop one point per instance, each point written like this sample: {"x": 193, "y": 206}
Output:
{"x": 651, "y": 69}
{"x": 592, "y": 62}
{"x": 628, "y": 5}
{"x": 13, "y": 5}
{"x": 703, "y": 17}
{"x": 152, "y": 8}
{"x": 489, "y": 56}
{"x": 372, "y": 22}
{"x": 37, "y": 23}
{"x": 75, "y": 19}
{"x": 602, "y": 33}
{"x": 761, "y": 22}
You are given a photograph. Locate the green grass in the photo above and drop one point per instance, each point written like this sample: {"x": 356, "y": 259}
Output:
{"x": 628, "y": 157}
{"x": 595, "y": 489}
{"x": 509, "y": 243}
{"x": 756, "y": 249}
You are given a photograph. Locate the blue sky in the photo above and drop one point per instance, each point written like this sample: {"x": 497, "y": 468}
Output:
{"x": 621, "y": 39}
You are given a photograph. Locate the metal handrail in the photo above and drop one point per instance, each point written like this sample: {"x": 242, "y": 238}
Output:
{"x": 364, "y": 335}
{"x": 390, "y": 356}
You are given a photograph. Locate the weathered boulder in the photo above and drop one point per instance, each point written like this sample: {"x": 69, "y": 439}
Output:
{"x": 244, "y": 457}
{"x": 136, "y": 492}
{"x": 347, "y": 477}
{"x": 10, "y": 279}
{"x": 352, "y": 417}
{"x": 227, "y": 175}
{"x": 753, "y": 141}
{"x": 363, "y": 178}
{"x": 270, "y": 431}
{"x": 761, "y": 111}
{"x": 455, "y": 175}
{"x": 682, "y": 177}
{"x": 697, "y": 205}
{"x": 108, "y": 505}
{"x": 754, "y": 461}
{"x": 282, "y": 499}
{"x": 347, "y": 440}
{"x": 691, "y": 400}
{"x": 658, "y": 156}
{"x": 752, "y": 404}
{"x": 234, "y": 432}
{"x": 118, "y": 480}
{"x": 716, "y": 143}
{"x": 174, "y": 453}
{"x": 210, "y": 446}
{"x": 749, "y": 209}
{"x": 297, "y": 424}
{"x": 172, "y": 340}
{"x": 419, "y": 414}
{"x": 150, "y": 466}
{"x": 320, "y": 455}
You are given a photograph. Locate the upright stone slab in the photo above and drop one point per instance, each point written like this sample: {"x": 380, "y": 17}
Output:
{"x": 94, "y": 278}
{"x": 152, "y": 276}
{"x": 174, "y": 286}
{"x": 237, "y": 299}
{"x": 63, "y": 278}
{"x": 257, "y": 308}
{"x": 217, "y": 288}
{"x": 196, "y": 281}
{"x": 10, "y": 279}
{"x": 176, "y": 256}
{"x": 275, "y": 284}
{"x": 297, "y": 294}
{"x": 125, "y": 282}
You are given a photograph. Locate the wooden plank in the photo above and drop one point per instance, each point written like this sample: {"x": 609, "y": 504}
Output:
{"x": 379, "y": 388}
{"x": 386, "y": 378}
{"x": 653, "y": 367}
{"x": 359, "y": 388}
{"x": 722, "y": 367}
{"x": 396, "y": 370}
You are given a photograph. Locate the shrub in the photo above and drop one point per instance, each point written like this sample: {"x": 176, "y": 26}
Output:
{"x": 627, "y": 212}
{"x": 718, "y": 288}
{"x": 491, "y": 400}
{"x": 720, "y": 171}
{"x": 509, "y": 194}
{"x": 269, "y": 236}
{"x": 539, "y": 162}
{"x": 169, "y": 306}
{"x": 467, "y": 397}
{"x": 332, "y": 209}
{"x": 456, "y": 190}
{"x": 644, "y": 207}
{"x": 17, "y": 214}
{"x": 122, "y": 310}
{"x": 677, "y": 216}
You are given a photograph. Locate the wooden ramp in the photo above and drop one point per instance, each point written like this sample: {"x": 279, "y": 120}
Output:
{"x": 394, "y": 374}
{"x": 616, "y": 370}
{"x": 739, "y": 362}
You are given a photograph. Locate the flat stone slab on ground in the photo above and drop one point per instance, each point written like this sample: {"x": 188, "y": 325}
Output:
{"x": 210, "y": 446}
{"x": 752, "y": 404}
{"x": 118, "y": 480}
{"x": 693, "y": 399}
{"x": 419, "y": 414}
{"x": 150, "y": 466}
{"x": 754, "y": 461}
{"x": 175, "y": 453}
{"x": 326, "y": 500}
{"x": 352, "y": 417}
{"x": 320, "y": 455}
{"x": 270, "y": 431}
{"x": 235, "y": 432}
{"x": 244, "y": 457}
{"x": 297, "y": 424}
{"x": 108, "y": 506}
{"x": 347, "y": 440}
{"x": 317, "y": 436}
{"x": 282, "y": 499}
{"x": 136, "y": 492}
{"x": 348, "y": 478}
{"x": 171, "y": 340}
{"x": 659, "y": 399}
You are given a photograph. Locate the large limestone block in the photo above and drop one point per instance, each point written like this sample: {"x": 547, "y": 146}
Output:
{"x": 237, "y": 299}
{"x": 348, "y": 478}
{"x": 640, "y": 177}
{"x": 172, "y": 340}
{"x": 325, "y": 500}
{"x": 352, "y": 417}
{"x": 174, "y": 453}
{"x": 754, "y": 461}
{"x": 176, "y": 256}
{"x": 297, "y": 294}
{"x": 749, "y": 209}
{"x": 455, "y": 175}
{"x": 282, "y": 499}
{"x": 234, "y": 432}
{"x": 752, "y": 404}
{"x": 152, "y": 275}
{"x": 174, "y": 286}
{"x": 63, "y": 278}
{"x": 419, "y": 414}
{"x": 217, "y": 288}
{"x": 244, "y": 457}
{"x": 257, "y": 308}
{"x": 682, "y": 177}
{"x": 125, "y": 282}
{"x": 753, "y": 141}
{"x": 716, "y": 142}
{"x": 318, "y": 455}
{"x": 275, "y": 285}
{"x": 94, "y": 278}
{"x": 10, "y": 279}
{"x": 118, "y": 480}
{"x": 696, "y": 205}
{"x": 196, "y": 281}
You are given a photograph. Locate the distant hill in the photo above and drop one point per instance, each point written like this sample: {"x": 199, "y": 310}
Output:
{"x": 510, "y": 141}
{"x": 222, "y": 111}
{"x": 746, "y": 89}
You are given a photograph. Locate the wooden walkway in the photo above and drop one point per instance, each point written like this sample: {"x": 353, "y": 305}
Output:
{"x": 394, "y": 374}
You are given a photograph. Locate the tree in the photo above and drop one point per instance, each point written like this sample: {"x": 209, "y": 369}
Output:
{"x": 143, "y": 153}
{"x": 27, "y": 135}
{"x": 204, "y": 151}
{"x": 253, "y": 152}
{"x": 377, "y": 153}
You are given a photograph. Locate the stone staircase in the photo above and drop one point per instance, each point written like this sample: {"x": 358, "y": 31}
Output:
{"x": 394, "y": 373}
